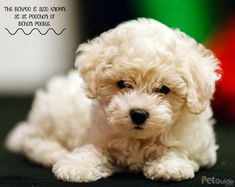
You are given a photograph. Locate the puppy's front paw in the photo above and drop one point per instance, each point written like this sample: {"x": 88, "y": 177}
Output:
{"x": 169, "y": 170}
{"x": 82, "y": 165}
{"x": 67, "y": 171}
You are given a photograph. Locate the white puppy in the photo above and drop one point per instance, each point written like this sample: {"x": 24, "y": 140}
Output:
{"x": 149, "y": 90}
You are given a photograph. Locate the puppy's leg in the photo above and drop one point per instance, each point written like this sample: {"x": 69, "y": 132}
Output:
{"x": 207, "y": 156}
{"x": 170, "y": 167}
{"x": 25, "y": 140}
{"x": 84, "y": 164}
{"x": 43, "y": 151}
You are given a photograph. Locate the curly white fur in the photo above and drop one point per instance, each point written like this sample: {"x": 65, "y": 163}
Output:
{"x": 89, "y": 138}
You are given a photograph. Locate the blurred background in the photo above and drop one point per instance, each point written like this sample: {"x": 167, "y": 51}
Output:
{"x": 27, "y": 62}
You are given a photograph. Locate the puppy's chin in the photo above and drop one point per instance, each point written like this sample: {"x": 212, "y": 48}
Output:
{"x": 128, "y": 129}
{"x": 143, "y": 133}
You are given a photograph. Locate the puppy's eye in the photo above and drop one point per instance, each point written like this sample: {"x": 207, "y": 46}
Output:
{"x": 121, "y": 84}
{"x": 162, "y": 89}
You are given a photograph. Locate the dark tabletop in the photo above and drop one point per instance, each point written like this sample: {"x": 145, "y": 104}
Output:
{"x": 15, "y": 170}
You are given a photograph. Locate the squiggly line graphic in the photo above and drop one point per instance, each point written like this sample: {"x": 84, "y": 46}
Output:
{"x": 37, "y": 30}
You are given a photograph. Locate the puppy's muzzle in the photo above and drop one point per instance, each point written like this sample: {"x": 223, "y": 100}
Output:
{"x": 138, "y": 116}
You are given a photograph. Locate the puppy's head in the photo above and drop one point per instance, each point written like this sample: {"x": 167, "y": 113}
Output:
{"x": 144, "y": 74}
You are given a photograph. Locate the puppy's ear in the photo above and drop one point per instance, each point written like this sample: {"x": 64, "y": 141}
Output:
{"x": 201, "y": 75}
{"x": 200, "y": 71}
{"x": 86, "y": 63}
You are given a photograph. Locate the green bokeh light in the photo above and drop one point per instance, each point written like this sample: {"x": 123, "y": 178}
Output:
{"x": 194, "y": 17}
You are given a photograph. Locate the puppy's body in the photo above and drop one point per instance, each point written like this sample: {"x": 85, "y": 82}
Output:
{"x": 87, "y": 139}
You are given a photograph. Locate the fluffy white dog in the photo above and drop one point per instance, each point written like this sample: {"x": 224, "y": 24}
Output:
{"x": 148, "y": 108}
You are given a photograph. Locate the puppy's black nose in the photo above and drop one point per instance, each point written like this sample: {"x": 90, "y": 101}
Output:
{"x": 138, "y": 116}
